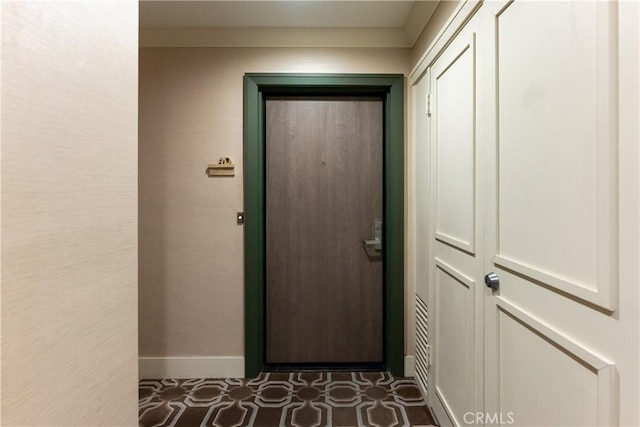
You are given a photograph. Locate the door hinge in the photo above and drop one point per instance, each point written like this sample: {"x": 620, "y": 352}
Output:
{"x": 428, "y": 105}
{"x": 428, "y": 351}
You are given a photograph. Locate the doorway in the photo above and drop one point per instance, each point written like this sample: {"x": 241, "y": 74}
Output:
{"x": 323, "y": 232}
{"x": 262, "y": 89}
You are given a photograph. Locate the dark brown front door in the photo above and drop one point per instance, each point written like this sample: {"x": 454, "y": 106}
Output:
{"x": 324, "y": 177}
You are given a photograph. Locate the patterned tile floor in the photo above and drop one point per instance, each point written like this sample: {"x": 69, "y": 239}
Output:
{"x": 302, "y": 399}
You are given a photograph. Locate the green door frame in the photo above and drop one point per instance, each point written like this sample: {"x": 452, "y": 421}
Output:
{"x": 256, "y": 87}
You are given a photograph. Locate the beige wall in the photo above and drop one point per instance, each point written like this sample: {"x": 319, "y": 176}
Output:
{"x": 191, "y": 250}
{"x": 69, "y": 197}
{"x": 437, "y": 20}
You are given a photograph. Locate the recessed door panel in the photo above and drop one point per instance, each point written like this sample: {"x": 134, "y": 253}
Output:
{"x": 455, "y": 335}
{"x": 455, "y": 152}
{"x": 556, "y": 207}
{"x": 529, "y": 395}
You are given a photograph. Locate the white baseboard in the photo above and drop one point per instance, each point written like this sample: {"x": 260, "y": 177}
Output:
{"x": 409, "y": 366}
{"x": 211, "y": 367}
{"x": 191, "y": 367}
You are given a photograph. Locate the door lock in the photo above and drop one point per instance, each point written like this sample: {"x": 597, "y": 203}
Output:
{"x": 377, "y": 236}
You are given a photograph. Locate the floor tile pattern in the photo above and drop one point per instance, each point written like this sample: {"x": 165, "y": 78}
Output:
{"x": 301, "y": 399}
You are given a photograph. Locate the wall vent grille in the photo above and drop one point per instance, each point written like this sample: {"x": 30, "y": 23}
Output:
{"x": 422, "y": 342}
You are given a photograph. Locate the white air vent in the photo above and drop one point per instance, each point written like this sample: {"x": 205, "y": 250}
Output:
{"x": 422, "y": 343}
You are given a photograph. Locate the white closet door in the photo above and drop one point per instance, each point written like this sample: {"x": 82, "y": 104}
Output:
{"x": 456, "y": 265}
{"x": 557, "y": 333}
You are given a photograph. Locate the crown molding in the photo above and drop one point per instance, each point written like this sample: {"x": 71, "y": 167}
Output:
{"x": 277, "y": 37}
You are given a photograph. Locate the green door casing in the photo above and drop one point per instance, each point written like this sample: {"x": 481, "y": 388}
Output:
{"x": 256, "y": 88}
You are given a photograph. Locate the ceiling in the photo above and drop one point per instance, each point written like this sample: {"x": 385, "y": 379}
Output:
{"x": 185, "y": 22}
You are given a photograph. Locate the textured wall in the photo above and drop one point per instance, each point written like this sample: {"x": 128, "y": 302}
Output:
{"x": 191, "y": 251}
{"x": 69, "y": 202}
